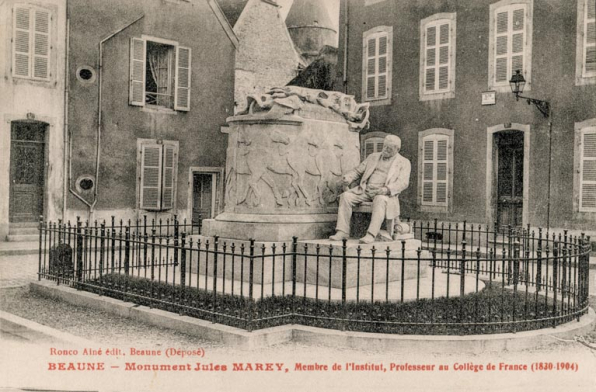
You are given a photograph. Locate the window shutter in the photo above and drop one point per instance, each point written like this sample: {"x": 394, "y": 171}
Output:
{"x": 41, "y": 45}
{"x": 151, "y": 163}
{"x": 183, "y": 63}
{"x": 590, "y": 39}
{"x": 588, "y": 171}
{"x": 441, "y": 196}
{"x": 169, "y": 176}
{"x": 435, "y": 170}
{"x": 510, "y": 46}
{"x": 138, "y": 48}
{"x": 428, "y": 170}
{"x": 437, "y": 57}
{"x": 377, "y": 66}
{"x": 21, "y": 42}
{"x": 369, "y": 148}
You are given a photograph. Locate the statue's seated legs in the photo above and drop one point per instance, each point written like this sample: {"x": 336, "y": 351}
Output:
{"x": 347, "y": 201}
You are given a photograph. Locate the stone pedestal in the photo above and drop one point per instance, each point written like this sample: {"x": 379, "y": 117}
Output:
{"x": 233, "y": 263}
{"x": 285, "y": 160}
{"x": 360, "y": 270}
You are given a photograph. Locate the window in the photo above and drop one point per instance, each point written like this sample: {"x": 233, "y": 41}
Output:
{"x": 437, "y": 57}
{"x": 585, "y": 166}
{"x": 372, "y": 142}
{"x": 158, "y": 167}
{"x": 585, "y": 71}
{"x": 376, "y": 65}
{"x": 159, "y": 74}
{"x": 510, "y": 43}
{"x": 31, "y": 43}
{"x": 435, "y": 170}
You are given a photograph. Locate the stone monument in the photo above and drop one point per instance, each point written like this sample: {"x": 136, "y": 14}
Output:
{"x": 286, "y": 158}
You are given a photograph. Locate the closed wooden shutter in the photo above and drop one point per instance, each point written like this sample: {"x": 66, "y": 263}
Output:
{"x": 589, "y": 68}
{"x": 377, "y": 65}
{"x": 510, "y": 42}
{"x": 169, "y": 176}
{"x": 587, "y": 201}
{"x": 437, "y": 57}
{"x": 21, "y": 42}
{"x": 151, "y": 176}
{"x": 372, "y": 145}
{"x": 41, "y": 45}
{"x": 435, "y": 179}
{"x": 183, "y": 77}
{"x": 138, "y": 50}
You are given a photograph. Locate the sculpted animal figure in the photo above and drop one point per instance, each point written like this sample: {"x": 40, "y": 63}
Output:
{"x": 258, "y": 163}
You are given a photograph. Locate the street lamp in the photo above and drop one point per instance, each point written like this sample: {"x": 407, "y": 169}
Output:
{"x": 517, "y": 83}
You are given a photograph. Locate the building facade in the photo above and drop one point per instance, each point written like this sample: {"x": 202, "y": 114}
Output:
{"x": 32, "y": 66}
{"x": 437, "y": 73}
{"x": 150, "y": 83}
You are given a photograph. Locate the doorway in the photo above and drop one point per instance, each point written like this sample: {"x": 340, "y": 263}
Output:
{"x": 204, "y": 186}
{"x": 510, "y": 179}
{"x": 27, "y": 171}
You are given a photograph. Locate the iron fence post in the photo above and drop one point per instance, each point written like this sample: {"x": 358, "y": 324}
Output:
{"x": 40, "y": 246}
{"x": 250, "y": 283}
{"x": 215, "y": 251}
{"x": 79, "y": 251}
{"x": 344, "y": 265}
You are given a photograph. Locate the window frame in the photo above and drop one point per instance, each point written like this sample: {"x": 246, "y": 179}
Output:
{"x": 437, "y": 20}
{"x": 175, "y": 107}
{"x": 377, "y": 32}
{"x": 32, "y": 8}
{"x": 376, "y": 136}
{"x": 141, "y": 144}
{"x": 580, "y": 129}
{"x": 503, "y": 87}
{"x": 581, "y": 78}
{"x": 435, "y": 207}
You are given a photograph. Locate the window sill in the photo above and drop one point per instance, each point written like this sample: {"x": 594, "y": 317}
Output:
{"x": 585, "y": 81}
{"x": 434, "y": 209}
{"x": 379, "y": 102}
{"x": 158, "y": 109}
{"x": 507, "y": 89}
{"x": 371, "y": 2}
{"x": 432, "y": 97}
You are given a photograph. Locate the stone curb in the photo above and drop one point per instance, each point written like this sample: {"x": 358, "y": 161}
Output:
{"x": 31, "y": 331}
{"x": 241, "y": 339}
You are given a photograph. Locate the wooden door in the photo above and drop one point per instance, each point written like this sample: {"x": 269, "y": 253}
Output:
{"x": 27, "y": 171}
{"x": 510, "y": 187}
{"x": 203, "y": 197}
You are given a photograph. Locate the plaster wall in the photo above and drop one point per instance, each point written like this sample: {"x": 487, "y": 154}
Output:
{"x": 201, "y": 144}
{"x": 553, "y": 80}
{"x": 26, "y": 99}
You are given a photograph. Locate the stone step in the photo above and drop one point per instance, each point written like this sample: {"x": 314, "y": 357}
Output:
{"x": 18, "y": 248}
{"x": 23, "y": 238}
{"x": 23, "y": 231}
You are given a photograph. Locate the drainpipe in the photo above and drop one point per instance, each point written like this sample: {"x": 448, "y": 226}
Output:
{"x": 550, "y": 163}
{"x": 99, "y": 112}
{"x": 67, "y": 132}
{"x": 346, "y": 23}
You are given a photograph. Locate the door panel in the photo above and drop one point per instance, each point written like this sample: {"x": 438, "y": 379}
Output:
{"x": 510, "y": 180}
{"x": 27, "y": 171}
{"x": 202, "y": 197}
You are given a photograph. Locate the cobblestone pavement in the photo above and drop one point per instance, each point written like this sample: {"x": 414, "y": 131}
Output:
{"x": 16, "y": 271}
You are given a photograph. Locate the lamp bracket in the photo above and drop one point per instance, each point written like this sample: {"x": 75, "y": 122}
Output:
{"x": 542, "y": 106}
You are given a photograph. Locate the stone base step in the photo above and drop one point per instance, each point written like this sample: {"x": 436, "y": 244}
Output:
{"x": 14, "y": 231}
{"x": 23, "y": 238}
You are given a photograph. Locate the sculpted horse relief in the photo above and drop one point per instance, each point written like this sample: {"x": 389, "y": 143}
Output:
{"x": 304, "y": 156}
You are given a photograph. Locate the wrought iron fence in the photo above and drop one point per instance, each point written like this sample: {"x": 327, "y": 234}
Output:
{"x": 459, "y": 279}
